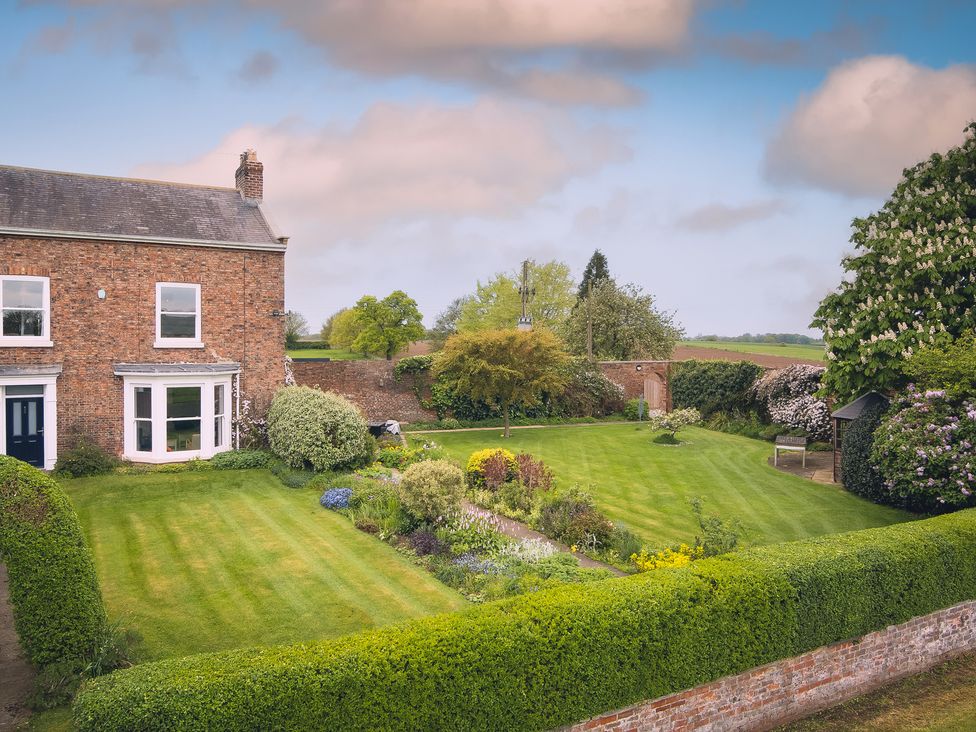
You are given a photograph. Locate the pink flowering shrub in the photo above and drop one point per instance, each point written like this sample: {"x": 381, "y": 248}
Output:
{"x": 789, "y": 396}
{"x": 923, "y": 450}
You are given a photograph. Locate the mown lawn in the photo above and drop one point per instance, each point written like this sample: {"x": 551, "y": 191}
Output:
{"x": 223, "y": 559}
{"x": 334, "y": 354}
{"x": 810, "y": 352}
{"x": 646, "y": 486}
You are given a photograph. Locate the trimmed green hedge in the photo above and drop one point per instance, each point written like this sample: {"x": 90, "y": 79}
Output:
{"x": 551, "y": 658}
{"x": 714, "y": 386}
{"x": 58, "y": 610}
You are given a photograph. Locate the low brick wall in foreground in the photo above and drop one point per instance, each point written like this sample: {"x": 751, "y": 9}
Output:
{"x": 765, "y": 697}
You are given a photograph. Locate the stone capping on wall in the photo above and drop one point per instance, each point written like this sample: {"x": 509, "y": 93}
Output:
{"x": 780, "y": 692}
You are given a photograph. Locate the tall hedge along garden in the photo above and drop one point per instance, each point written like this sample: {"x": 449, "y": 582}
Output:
{"x": 57, "y": 605}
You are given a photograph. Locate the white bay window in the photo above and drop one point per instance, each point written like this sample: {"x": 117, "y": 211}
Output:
{"x": 177, "y": 414}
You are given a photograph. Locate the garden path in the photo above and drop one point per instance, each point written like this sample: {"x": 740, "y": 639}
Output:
{"x": 516, "y": 530}
{"x": 819, "y": 467}
{"x": 16, "y": 672}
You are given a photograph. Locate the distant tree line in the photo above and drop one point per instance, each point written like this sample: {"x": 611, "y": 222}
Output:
{"x": 794, "y": 339}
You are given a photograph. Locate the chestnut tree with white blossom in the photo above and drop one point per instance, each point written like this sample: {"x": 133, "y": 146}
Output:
{"x": 911, "y": 281}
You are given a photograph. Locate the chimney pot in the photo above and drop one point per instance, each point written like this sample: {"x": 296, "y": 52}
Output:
{"x": 249, "y": 178}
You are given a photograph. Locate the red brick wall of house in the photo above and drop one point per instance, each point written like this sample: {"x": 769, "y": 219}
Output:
{"x": 239, "y": 291}
{"x": 766, "y": 697}
{"x": 367, "y": 384}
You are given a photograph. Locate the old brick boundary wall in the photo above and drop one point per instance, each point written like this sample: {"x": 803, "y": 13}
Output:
{"x": 777, "y": 693}
{"x": 370, "y": 385}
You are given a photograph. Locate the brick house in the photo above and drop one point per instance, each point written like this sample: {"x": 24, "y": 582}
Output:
{"x": 136, "y": 314}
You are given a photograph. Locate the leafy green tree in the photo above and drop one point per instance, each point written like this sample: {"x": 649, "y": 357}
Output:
{"x": 346, "y": 327}
{"x": 446, "y": 324}
{"x": 626, "y": 325}
{"x": 951, "y": 367}
{"x": 596, "y": 270}
{"x": 295, "y": 327}
{"x": 504, "y": 368}
{"x": 910, "y": 282}
{"x": 498, "y": 303}
{"x": 325, "y": 333}
{"x": 388, "y": 324}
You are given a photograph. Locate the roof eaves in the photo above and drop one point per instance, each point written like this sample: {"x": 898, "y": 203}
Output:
{"x": 276, "y": 245}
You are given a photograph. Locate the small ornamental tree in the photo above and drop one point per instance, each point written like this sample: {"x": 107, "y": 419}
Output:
{"x": 910, "y": 281}
{"x": 923, "y": 450}
{"x": 672, "y": 422}
{"x": 387, "y": 325}
{"x": 504, "y": 368}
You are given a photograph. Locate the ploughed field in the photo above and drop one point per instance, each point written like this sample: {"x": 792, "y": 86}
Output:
{"x": 204, "y": 561}
{"x": 808, "y": 352}
{"x": 647, "y": 486}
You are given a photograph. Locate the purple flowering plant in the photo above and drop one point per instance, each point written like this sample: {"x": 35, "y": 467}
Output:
{"x": 923, "y": 450}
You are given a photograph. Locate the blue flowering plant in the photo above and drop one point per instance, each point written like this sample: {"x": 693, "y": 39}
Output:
{"x": 336, "y": 499}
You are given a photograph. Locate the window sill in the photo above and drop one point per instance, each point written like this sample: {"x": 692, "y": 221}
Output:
{"x": 16, "y": 342}
{"x": 165, "y": 343}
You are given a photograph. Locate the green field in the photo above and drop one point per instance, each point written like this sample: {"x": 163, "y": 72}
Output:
{"x": 810, "y": 352}
{"x": 646, "y": 486}
{"x": 334, "y": 354}
{"x": 207, "y": 561}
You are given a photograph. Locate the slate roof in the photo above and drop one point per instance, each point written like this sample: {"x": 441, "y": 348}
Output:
{"x": 45, "y": 202}
{"x": 169, "y": 369}
{"x": 855, "y": 408}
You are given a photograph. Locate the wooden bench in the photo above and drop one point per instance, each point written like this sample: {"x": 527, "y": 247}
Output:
{"x": 790, "y": 444}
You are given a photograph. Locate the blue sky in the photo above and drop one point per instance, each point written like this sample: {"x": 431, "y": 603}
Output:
{"x": 715, "y": 151}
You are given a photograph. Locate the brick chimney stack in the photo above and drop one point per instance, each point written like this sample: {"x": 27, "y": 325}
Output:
{"x": 249, "y": 177}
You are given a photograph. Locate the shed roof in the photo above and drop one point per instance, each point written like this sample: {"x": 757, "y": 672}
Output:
{"x": 855, "y": 408}
{"x": 51, "y": 203}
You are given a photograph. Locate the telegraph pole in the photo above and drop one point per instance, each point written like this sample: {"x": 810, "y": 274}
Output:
{"x": 525, "y": 322}
{"x": 589, "y": 321}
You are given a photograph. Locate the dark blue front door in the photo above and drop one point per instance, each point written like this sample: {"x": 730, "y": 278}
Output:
{"x": 25, "y": 429}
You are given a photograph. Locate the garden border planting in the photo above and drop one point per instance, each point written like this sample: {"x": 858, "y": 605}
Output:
{"x": 552, "y": 658}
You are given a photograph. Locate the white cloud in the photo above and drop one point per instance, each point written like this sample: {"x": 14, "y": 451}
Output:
{"x": 400, "y": 162}
{"x": 544, "y": 49}
{"x": 870, "y": 119}
{"x": 398, "y": 199}
{"x": 722, "y": 217}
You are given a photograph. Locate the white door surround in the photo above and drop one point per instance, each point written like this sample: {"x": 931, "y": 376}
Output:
{"x": 44, "y": 377}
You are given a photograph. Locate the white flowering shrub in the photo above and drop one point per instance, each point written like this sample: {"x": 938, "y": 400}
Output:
{"x": 789, "y": 396}
{"x": 674, "y": 420}
{"x": 910, "y": 281}
{"x": 310, "y": 427}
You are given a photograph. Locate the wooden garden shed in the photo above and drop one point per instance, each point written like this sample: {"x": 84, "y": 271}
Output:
{"x": 842, "y": 419}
